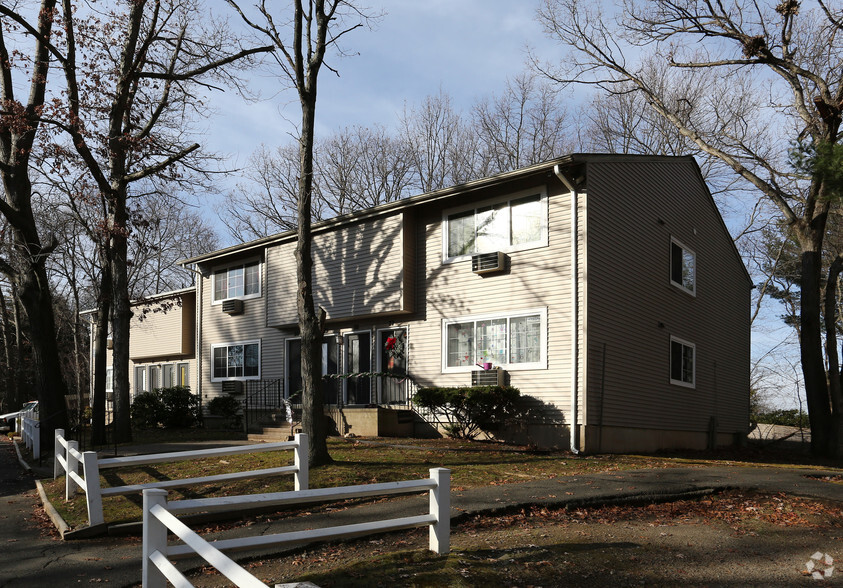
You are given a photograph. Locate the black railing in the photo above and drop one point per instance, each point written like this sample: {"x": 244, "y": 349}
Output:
{"x": 263, "y": 403}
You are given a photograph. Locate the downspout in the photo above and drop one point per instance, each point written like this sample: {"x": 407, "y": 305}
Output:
{"x": 575, "y": 314}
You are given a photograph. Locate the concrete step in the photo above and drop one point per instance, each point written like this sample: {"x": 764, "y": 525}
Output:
{"x": 277, "y": 433}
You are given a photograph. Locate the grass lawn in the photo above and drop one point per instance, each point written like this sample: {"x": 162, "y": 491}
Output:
{"x": 729, "y": 539}
{"x": 360, "y": 462}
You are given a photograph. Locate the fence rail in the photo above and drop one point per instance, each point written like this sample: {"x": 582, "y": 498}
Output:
{"x": 159, "y": 518}
{"x": 68, "y": 458}
{"x": 30, "y": 432}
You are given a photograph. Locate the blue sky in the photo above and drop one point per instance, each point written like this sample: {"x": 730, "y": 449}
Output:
{"x": 466, "y": 48}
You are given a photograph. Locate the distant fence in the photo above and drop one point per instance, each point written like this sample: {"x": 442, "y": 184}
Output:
{"x": 68, "y": 458}
{"x": 30, "y": 433}
{"x": 159, "y": 518}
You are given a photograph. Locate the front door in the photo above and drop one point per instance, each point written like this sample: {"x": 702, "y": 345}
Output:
{"x": 330, "y": 365}
{"x": 392, "y": 359}
{"x": 358, "y": 359}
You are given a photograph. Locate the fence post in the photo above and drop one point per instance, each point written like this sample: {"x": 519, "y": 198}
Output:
{"x": 440, "y": 507}
{"x": 93, "y": 492}
{"x": 154, "y": 538}
{"x": 72, "y": 466}
{"x": 302, "y": 476}
{"x": 57, "y": 451}
{"x": 35, "y": 426}
{"x": 26, "y": 433}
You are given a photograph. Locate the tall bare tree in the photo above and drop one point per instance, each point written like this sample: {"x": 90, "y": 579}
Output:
{"x": 131, "y": 77}
{"x": 310, "y": 28}
{"x": 743, "y": 81}
{"x": 20, "y": 120}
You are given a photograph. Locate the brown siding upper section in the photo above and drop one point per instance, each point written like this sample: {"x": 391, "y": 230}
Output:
{"x": 163, "y": 328}
{"x": 633, "y": 310}
{"x": 358, "y": 271}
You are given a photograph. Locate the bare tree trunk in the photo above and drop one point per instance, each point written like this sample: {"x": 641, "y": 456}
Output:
{"x": 313, "y": 411}
{"x": 9, "y": 379}
{"x": 98, "y": 436}
{"x": 120, "y": 322}
{"x": 18, "y": 374}
{"x": 813, "y": 366}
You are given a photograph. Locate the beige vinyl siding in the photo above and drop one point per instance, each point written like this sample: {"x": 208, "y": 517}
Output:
{"x": 633, "y": 310}
{"x": 218, "y": 328}
{"x": 163, "y": 327}
{"x": 358, "y": 271}
{"x": 538, "y": 277}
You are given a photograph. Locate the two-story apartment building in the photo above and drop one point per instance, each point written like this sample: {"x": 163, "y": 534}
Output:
{"x": 606, "y": 288}
{"x": 162, "y": 346}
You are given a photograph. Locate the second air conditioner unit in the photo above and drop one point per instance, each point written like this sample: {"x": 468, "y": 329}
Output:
{"x": 233, "y": 306}
{"x": 488, "y": 263}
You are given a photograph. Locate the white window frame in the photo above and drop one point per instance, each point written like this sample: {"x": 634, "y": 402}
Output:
{"x": 512, "y": 367}
{"x": 109, "y": 379}
{"x": 243, "y": 265}
{"x": 693, "y": 383}
{"x": 237, "y": 378}
{"x": 542, "y": 242}
{"x": 137, "y": 389}
{"x": 685, "y": 249}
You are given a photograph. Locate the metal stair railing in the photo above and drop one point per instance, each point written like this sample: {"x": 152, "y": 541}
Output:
{"x": 264, "y": 399}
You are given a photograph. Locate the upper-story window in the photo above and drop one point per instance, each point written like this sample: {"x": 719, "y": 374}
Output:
{"x": 683, "y": 267}
{"x": 519, "y": 222}
{"x": 237, "y": 281}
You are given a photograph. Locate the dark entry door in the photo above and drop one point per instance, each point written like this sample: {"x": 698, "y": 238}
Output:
{"x": 330, "y": 365}
{"x": 358, "y": 359}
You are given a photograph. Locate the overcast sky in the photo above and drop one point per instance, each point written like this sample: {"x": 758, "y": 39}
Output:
{"x": 466, "y": 48}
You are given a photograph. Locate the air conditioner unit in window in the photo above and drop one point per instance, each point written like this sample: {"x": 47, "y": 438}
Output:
{"x": 487, "y": 263}
{"x": 235, "y": 387}
{"x": 233, "y": 306}
{"x": 492, "y": 377}
{"x": 109, "y": 343}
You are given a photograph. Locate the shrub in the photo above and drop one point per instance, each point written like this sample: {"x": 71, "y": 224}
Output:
{"x": 226, "y": 406}
{"x": 147, "y": 410}
{"x": 470, "y": 410}
{"x": 181, "y": 407}
{"x": 170, "y": 407}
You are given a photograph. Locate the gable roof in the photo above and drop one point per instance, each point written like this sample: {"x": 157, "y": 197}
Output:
{"x": 573, "y": 164}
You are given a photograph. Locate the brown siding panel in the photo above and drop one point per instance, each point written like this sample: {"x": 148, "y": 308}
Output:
{"x": 633, "y": 309}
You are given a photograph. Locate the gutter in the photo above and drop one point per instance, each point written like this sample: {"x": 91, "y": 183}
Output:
{"x": 575, "y": 314}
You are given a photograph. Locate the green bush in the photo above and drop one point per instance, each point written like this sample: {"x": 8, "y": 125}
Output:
{"x": 170, "y": 407}
{"x": 226, "y": 406}
{"x": 147, "y": 410}
{"x": 470, "y": 410}
{"x": 181, "y": 407}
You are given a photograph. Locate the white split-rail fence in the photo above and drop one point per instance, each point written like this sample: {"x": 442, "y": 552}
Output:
{"x": 30, "y": 433}
{"x": 159, "y": 517}
{"x": 68, "y": 459}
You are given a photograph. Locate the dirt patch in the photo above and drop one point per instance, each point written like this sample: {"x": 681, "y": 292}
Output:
{"x": 735, "y": 538}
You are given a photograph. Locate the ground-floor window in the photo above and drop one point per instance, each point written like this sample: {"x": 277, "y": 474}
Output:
{"x": 682, "y": 363}
{"x": 515, "y": 340}
{"x": 183, "y": 370}
{"x": 236, "y": 360}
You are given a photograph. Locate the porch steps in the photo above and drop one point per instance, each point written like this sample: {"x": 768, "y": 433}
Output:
{"x": 271, "y": 434}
